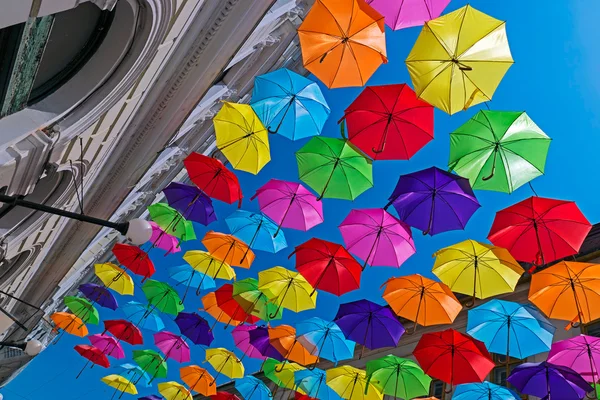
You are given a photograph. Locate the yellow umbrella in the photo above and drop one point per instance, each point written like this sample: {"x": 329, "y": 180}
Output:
{"x": 114, "y": 278}
{"x": 120, "y": 383}
{"x": 351, "y": 383}
{"x": 287, "y": 289}
{"x": 477, "y": 269}
{"x": 242, "y": 138}
{"x": 459, "y": 59}
{"x": 208, "y": 265}
{"x": 285, "y": 372}
{"x": 174, "y": 391}
{"x": 225, "y": 362}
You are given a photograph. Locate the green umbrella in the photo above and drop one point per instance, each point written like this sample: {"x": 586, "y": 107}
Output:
{"x": 171, "y": 221}
{"x": 398, "y": 377}
{"x": 83, "y": 309}
{"x": 162, "y": 297}
{"x": 498, "y": 150}
{"x": 253, "y": 301}
{"x": 268, "y": 367}
{"x": 151, "y": 362}
{"x": 334, "y": 168}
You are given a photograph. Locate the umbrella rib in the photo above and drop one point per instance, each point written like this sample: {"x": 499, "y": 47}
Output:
{"x": 483, "y": 37}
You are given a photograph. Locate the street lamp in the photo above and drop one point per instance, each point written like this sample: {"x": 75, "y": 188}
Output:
{"x": 31, "y": 347}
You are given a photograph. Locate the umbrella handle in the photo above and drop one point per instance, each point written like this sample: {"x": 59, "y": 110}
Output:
{"x": 376, "y": 151}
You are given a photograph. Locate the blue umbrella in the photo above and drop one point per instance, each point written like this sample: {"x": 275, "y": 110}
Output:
{"x": 314, "y": 384}
{"x": 289, "y": 104}
{"x": 327, "y": 337}
{"x": 135, "y": 311}
{"x": 483, "y": 391}
{"x": 251, "y": 388}
{"x": 134, "y": 373}
{"x": 188, "y": 276}
{"x": 257, "y": 230}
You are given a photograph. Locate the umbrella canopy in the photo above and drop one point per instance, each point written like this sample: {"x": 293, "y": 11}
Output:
{"x": 328, "y": 266}
{"x": 163, "y": 240}
{"x": 421, "y": 300}
{"x": 540, "y": 230}
{"x": 174, "y": 391}
{"x": 377, "y": 237}
{"x": 334, "y": 168}
{"x": 289, "y": 104}
{"x": 567, "y": 291}
{"x": 241, "y": 137}
{"x": 260, "y": 340}
{"x": 283, "y": 338}
{"x": 546, "y": 380}
{"x": 389, "y": 122}
{"x": 120, "y": 383}
{"x": 134, "y": 373}
{"x": 251, "y": 388}
{"x": 289, "y": 205}
{"x": 225, "y": 362}
{"x": 224, "y": 396}
{"x": 69, "y": 323}
{"x": 209, "y": 266}
{"x": 198, "y": 379}
{"x": 287, "y": 289}
{"x": 171, "y": 221}
{"x": 498, "y": 150}
{"x": 483, "y": 391}
{"x": 283, "y": 374}
{"x": 434, "y": 201}
{"x": 83, "y": 309}
{"x": 190, "y": 202}
{"x": 144, "y": 317}
{"x": 151, "y": 397}
{"x": 399, "y": 14}
{"x": 257, "y": 230}
{"x": 453, "y": 357}
{"x": 99, "y": 295}
{"x": 162, "y": 297}
{"x": 195, "y": 328}
{"x": 254, "y": 302}
{"x": 134, "y": 259}
{"x": 173, "y": 346}
{"x": 313, "y": 382}
{"x": 213, "y": 178}
{"x": 186, "y": 276}
{"x": 398, "y": 377}
{"x": 151, "y": 363}
{"x": 326, "y": 338}
{"x": 228, "y": 249}
{"x": 241, "y": 338}
{"x": 477, "y": 269}
{"x": 580, "y": 353}
{"x": 124, "y": 330}
{"x": 93, "y": 354}
{"x": 459, "y": 59}
{"x": 352, "y": 384}
{"x": 342, "y": 42}
{"x": 108, "y": 345}
{"x": 114, "y": 278}
{"x": 228, "y": 305}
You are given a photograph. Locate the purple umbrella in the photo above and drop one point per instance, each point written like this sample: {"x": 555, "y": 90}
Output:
{"x": 377, "y": 237}
{"x": 151, "y": 397}
{"x": 173, "y": 346}
{"x": 191, "y": 202}
{"x": 434, "y": 201}
{"x": 241, "y": 338}
{"x": 99, "y": 295}
{"x": 370, "y": 324}
{"x": 549, "y": 381}
{"x": 195, "y": 328}
{"x": 259, "y": 339}
{"x": 399, "y": 14}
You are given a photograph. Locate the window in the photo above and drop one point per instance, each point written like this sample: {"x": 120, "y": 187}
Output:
{"x": 437, "y": 389}
{"x": 498, "y": 374}
{"x": 592, "y": 329}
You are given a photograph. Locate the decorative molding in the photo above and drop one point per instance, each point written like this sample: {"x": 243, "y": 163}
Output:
{"x": 105, "y": 4}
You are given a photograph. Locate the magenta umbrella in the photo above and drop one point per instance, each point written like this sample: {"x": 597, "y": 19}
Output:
{"x": 173, "y": 346}
{"x": 109, "y": 345}
{"x": 580, "y": 353}
{"x": 241, "y": 338}
{"x": 163, "y": 240}
{"x": 289, "y": 204}
{"x": 377, "y": 237}
{"x": 399, "y": 14}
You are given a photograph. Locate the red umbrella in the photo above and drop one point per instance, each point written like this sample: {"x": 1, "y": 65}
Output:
{"x": 210, "y": 175}
{"x": 124, "y": 330}
{"x": 389, "y": 122}
{"x": 134, "y": 259}
{"x": 229, "y": 306}
{"x": 224, "y": 396}
{"x": 93, "y": 355}
{"x": 327, "y": 266}
{"x": 300, "y": 396}
{"x": 540, "y": 230}
{"x": 453, "y": 357}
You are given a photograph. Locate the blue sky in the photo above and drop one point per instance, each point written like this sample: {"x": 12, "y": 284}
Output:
{"x": 554, "y": 79}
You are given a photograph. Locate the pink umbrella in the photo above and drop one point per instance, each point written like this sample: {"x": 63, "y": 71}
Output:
{"x": 163, "y": 240}
{"x": 289, "y": 204}
{"x": 241, "y": 338}
{"x": 400, "y": 14}
{"x": 109, "y": 345}
{"x": 377, "y": 237}
{"x": 173, "y": 346}
{"x": 580, "y": 353}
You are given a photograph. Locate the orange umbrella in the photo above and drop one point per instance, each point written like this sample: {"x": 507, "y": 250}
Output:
{"x": 568, "y": 291}
{"x": 198, "y": 379}
{"x": 283, "y": 338}
{"x": 228, "y": 249}
{"x": 70, "y": 323}
{"x": 421, "y": 300}
{"x": 209, "y": 301}
{"x": 343, "y": 42}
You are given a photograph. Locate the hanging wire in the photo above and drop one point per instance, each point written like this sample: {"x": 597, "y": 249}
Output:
{"x": 76, "y": 189}
{"x": 487, "y": 105}
{"x": 81, "y": 167}
{"x": 533, "y": 190}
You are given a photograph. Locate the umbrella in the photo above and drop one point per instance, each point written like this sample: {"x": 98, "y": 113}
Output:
{"x": 259, "y": 339}
{"x": 224, "y": 396}
{"x": 580, "y": 353}
{"x": 99, "y": 295}
{"x": 421, "y": 300}
{"x": 134, "y": 372}
{"x": 483, "y": 391}
{"x": 174, "y": 391}
{"x": 282, "y": 374}
{"x": 147, "y": 320}
{"x": 398, "y": 377}
{"x": 251, "y": 388}
{"x": 227, "y": 304}
{"x": 254, "y": 302}
{"x": 289, "y": 104}
{"x": 185, "y": 275}
{"x": 171, "y": 221}
{"x": 287, "y": 289}
{"x": 209, "y": 267}
{"x": 326, "y": 337}
{"x": 257, "y": 230}
{"x": 334, "y": 168}
{"x": 83, "y": 309}
{"x": 400, "y": 14}
{"x": 151, "y": 362}
{"x": 228, "y": 249}
{"x": 241, "y": 137}
{"x": 162, "y": 297}
{"x": 190, "y": 202}
{"x": 477, "y": 269}
{"x": 434, "y": 201}
{"x": 198, "y": 379}
{"x": 134, "y": 259}
{"x": 195, "y": 328}
{"x": 224, "y": 362}
{"x": 173, "y": 346}
{"x": 459, "y": 59}
{"x": 124, "y": 330}
{"x": 120, "y": 383}
{"x": 241, "y": 338}
{"x": 108, "y": 345}
{"x": 352, "y": 384}
{"x": 151, "y": 397}
{"x": 342, "y": 42}
{"x": 93, "y": 355}
{"x": 540, "y": 230}
{"x": 567, "y": 291}
{"x": 389, "y": 122}
{"x": 377, "y": 237}
{"x": 163, "y": 240}
{"x": 289, "y": 205}
{"x": 114, "y": 278}
{"x": 498, "y": 150}
{"x": 213, "y": 178}
{"x": 69, "y": 323}
{"x": 283, "y": 338}
{"x": 453, "y": 357}
{"x": 313, "y": 382}
{"x": 549, "y": 381}
{"x": 372, "y": 325}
